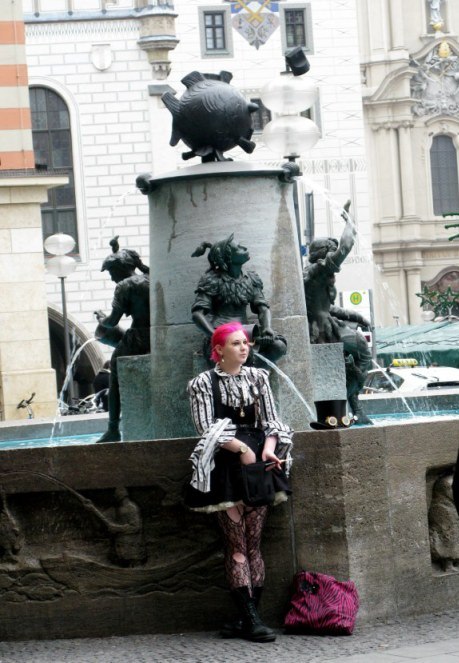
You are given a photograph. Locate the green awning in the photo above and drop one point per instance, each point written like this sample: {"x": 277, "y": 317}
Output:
{"x": 429, "y": 343}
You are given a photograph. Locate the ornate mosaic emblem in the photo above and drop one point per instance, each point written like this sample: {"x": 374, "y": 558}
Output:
{"x": 255, "y": 20}
{"x": 435, "y": 85}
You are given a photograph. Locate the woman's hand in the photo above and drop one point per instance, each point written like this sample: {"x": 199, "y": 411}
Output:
{"x": 271, "y": 457}
{"x": 248, "y": 457}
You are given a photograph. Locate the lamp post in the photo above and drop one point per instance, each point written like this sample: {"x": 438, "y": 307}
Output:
{"x": 62, "y": 265}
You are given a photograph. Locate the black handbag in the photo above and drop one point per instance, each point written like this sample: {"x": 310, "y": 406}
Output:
{"x": 257, "y": 484}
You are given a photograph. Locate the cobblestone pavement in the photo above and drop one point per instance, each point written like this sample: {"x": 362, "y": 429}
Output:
{"x": 426, "y": 639}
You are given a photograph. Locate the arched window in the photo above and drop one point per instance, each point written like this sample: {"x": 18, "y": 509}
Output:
{"x": 444, "y": 172}
{"x": 52, "y": 144}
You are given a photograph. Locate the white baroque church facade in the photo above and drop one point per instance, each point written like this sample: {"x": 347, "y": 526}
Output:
{"x": 410, "y": 87}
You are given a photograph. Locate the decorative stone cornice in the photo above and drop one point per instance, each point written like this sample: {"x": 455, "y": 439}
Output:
{"x": 448, "y": 125}
{"x": 388, "y": 125}
{"x": 384, "y": 93}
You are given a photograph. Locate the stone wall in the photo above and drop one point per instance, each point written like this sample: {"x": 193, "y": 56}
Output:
{"x": 359, "y": 510}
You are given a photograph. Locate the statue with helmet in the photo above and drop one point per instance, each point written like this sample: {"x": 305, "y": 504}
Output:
{"x": 329, "y": 323}
{"x": 131, "y": 298}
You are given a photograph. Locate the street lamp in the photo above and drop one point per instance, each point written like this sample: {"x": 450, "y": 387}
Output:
{"x": 62, "y": 265}
{"x": 290, "y": 134}
{"x": 289, "y": 94}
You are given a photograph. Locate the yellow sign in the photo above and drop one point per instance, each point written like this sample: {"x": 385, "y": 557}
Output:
{"x": 404, "y": 361}
{"x": 356, "y": 298}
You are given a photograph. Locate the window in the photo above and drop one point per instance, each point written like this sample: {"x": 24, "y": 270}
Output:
{"x": 261, "y": 117}
{"x": 214, "y": 23}
{"x": 444, "y": 173}
{"x": 379, "y": 381}
{"x": 52, "y": 143}
{"x": 215, "y": 29}
{"x": 294, "y": 28}
{"x": 297, "y": 27}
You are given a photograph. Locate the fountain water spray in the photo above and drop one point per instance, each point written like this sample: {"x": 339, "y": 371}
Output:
{"x": 288, "y": 381}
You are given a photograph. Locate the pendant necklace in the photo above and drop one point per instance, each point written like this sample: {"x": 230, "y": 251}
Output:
{"x": 241, "y": 411}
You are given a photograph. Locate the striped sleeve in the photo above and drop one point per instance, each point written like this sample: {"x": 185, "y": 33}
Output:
{"x": 213, "y": 432}
{"x": 201, "y": 401}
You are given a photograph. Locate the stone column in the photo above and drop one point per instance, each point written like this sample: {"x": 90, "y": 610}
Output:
{"x": 390, "y": 300}
{"x": 398, "y": 39}
{"x": 413, "y": 285}
{"x": 15, "y": 121}
{"x": 208, "y": 202}
{"x": 407, "y": 170}
{"x": 379, "y": 29}
{"x": 388, "y": 173}
{"x": 25, "y": 361}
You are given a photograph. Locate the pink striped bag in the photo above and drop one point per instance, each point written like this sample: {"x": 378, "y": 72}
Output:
{"x": 322, "y": 605}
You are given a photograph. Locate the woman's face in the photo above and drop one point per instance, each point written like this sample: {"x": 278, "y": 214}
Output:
{"x": 239, "y": 254}
{"x": 236, "y": 349}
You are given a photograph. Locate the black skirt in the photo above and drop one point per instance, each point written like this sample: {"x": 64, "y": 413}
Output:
{"x": 225, "y": 478}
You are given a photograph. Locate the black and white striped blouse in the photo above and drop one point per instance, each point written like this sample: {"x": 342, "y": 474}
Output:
{"x": 249, "y": 386}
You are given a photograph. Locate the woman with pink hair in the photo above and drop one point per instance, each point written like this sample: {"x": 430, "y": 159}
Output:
{"x": 233, "y": 411}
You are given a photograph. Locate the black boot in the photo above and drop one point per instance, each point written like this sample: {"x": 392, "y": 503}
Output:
{"x": 234, "y": 629}
{"x": 112, "y": 434}
{"x": 252, "y": 627}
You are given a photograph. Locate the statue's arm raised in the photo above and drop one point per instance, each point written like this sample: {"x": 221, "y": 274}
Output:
{"x": 347, "y": 238}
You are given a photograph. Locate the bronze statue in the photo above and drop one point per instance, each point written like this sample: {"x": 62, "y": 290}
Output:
{"x": 444, "y": 525}
{"x": 327, "y": 322}
{"x": 224, "y": 292}
{"x": 131, "y": 298}
{"x": 211, "y": 117}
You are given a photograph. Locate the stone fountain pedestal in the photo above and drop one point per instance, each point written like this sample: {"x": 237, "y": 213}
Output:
{"x": 208, "y": 202}
{"x": 359, "y": 510}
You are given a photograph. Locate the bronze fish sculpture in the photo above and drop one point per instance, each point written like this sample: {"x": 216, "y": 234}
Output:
{"x": 211, "y": 117}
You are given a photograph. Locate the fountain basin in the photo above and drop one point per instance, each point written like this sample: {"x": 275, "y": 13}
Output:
{"x": 28, "y": 429}
{"x": 359, "y": 511}
{"x": 447, "y": 400}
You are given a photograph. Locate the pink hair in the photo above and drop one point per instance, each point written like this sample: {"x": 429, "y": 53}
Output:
{"x": 220, "y": 335}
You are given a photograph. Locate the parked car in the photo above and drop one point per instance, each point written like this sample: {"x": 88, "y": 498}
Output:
{"x": 405, "y": 377}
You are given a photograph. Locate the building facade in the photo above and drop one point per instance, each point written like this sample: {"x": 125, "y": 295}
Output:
{"x": 27, "y": 380}
{"x": 410, "y": 74}
{"x": 97, "y": 70}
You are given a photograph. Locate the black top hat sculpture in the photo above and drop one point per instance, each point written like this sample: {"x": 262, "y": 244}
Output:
{"x": 331, "y": 415}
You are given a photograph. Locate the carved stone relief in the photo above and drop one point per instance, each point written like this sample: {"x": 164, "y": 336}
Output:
{"x": 107, "y": 542}
{"x": 444, "y": 525}
{"x": 447, "y": 278}
{"x": 435, "y": 85}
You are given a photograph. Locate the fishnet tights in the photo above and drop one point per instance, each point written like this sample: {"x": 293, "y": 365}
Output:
{"x": 242, "y": 541}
